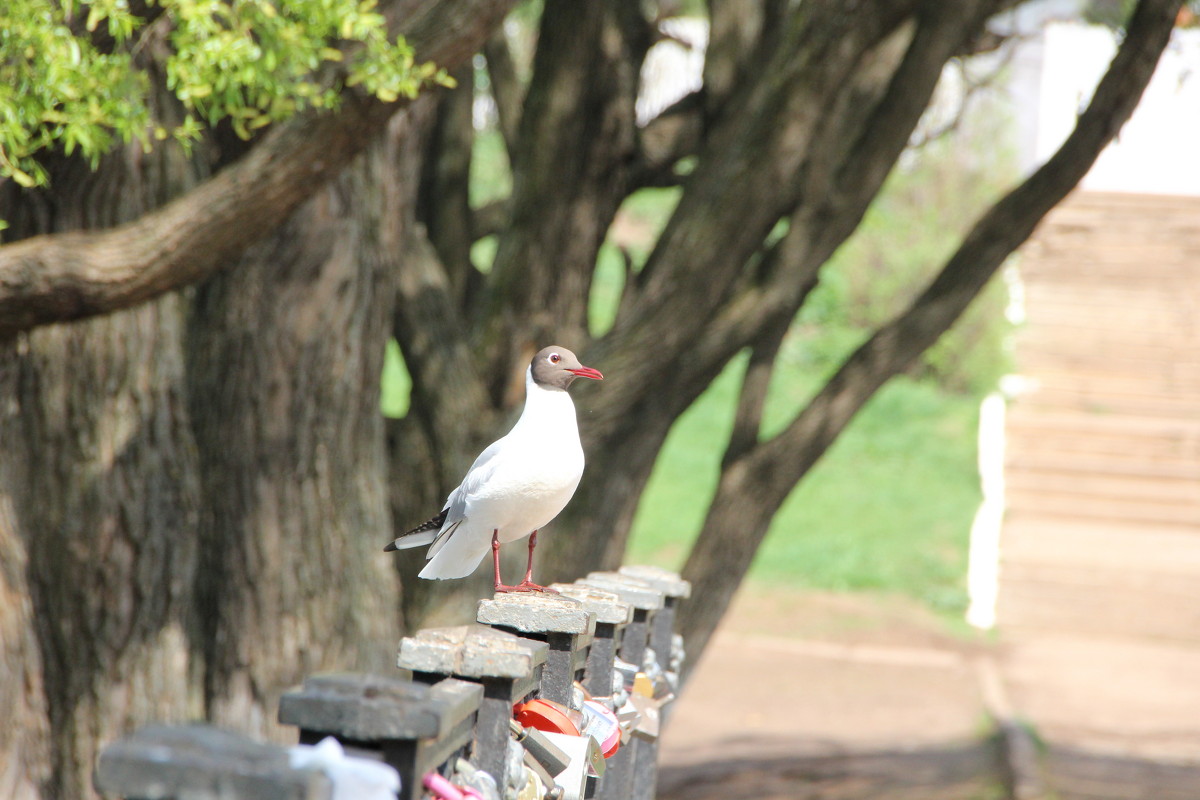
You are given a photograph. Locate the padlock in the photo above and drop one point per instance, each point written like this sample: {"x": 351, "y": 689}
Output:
{"x": 548, "y": 716}
{"x": 539, "y": 748}
{"x": 470, "y": 778}
{"x": 442, "y": 789}
{"x": 660, "y": 685}
{"x": 647, "y": 724}
{"x": 628, "y": 718}
{"x": 584, "y": 753}
{"x": 531, "y": 786}
{"x": 678, "y": 654}
{"x": 626, "y": 670}
{"x": 601, "y": 724}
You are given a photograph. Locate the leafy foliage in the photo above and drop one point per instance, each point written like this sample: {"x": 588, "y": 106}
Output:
{"x": 77, "y": 75}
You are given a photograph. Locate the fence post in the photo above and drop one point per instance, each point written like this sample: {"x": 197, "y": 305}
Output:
{"x": 200, "y": 762}
{"x": 646, "y": 601}
{"x": 508, "y": 667}
{"x": 628, "y": 764}
{"x": 419, "y": 725}
{"x": 612, "y": 615}
{"x": 414, "y": 727}
{"x": 674, "y": 589}
{"x": 563, "y": 624}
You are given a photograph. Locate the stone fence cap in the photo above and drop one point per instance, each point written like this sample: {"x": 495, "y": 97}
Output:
{"x": 471, "y": 651}
{"x": 637, "y": 593}
{"x": 374, "y": 708}
{"x": 537, "y": 613}
{"x": 608, "y": 606}
{"x": 205, "y": 763}
{"x": 667, "y": 582}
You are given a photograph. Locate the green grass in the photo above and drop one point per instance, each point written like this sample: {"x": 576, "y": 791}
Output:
{"x": 887, "y": 509}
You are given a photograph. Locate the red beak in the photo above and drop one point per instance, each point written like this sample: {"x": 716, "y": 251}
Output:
{"x": 587, "y": 372}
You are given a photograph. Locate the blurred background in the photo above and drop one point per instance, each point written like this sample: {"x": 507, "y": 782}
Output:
{"x": 1021, "y": 553}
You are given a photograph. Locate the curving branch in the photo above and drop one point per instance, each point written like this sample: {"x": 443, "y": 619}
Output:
{"x": 444, "y": 198}
{"x": 752, "y": 488}
{"x": 507, "y": 90}
{"x": 747, "y": 420}
{"x": 576, "y": 147}
{"x": 754, "y": 166}
{"x": 67, "y": 276}
{"x": 675, "y": 133}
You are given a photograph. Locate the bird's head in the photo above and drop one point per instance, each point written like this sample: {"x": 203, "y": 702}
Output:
{"x": 556, "y": 367}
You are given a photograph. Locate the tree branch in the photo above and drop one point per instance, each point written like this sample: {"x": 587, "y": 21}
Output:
{"x": 444, "y": 204}
{"x": 750, "y": 172}
{"x": 747, "y": 421}
{"x": 67, "y": 276}
{"x": 506, "y": 87}
{"x": 577, "y": 144}
{"x": 752, "y": 488}
{"x": 490, "y": 218}
{"x": 675, "y": 133}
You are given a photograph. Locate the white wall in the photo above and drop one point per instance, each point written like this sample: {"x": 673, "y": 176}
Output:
{"x": 1158, "y": 150}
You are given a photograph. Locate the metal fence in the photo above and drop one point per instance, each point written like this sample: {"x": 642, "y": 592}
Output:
{"x": 474, "y": 712}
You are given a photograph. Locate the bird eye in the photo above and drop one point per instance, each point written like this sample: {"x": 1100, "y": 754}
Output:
{"x": 555, "y": 358}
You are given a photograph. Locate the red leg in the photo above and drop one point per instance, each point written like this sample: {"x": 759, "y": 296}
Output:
{"x": 526, "y": 585}
{"x": 496, "y": 561}
{"x": 529, "y": 563}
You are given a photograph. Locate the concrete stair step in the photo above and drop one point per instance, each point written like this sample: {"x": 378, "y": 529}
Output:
{"x": 1084, "y": 505}
{"x": 1082, "y": 400}
{"x": 1124, "y": 358}
{"x": 1077, "y": 292}
{"x": 1084, "y": 334}
{"x": 1083, "y": 323}
{"x": 1061, "y": 432}
{"x": 1109, "y": 263}
{"x": 1182, "y": 493}
{"x": 1110, "y": 601}
{"x": 1037, "y": 461}
{"x": 1060, "y": 368}
{"x": 1104, "y": 544}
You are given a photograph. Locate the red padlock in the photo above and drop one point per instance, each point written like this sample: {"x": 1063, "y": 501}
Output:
{"x": 548, "y": 716}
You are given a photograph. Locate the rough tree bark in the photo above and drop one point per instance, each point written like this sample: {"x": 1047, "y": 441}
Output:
{"x": 284, "y": 355}
{"x": 101, "y": 496}
{"x": 193, "y": 491}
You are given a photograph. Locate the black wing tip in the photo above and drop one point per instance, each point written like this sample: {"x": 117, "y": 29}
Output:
{"x": 429, "y": 524}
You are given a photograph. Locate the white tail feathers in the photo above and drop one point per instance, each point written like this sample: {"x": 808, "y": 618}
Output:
{"x": 456, "y": 556}
{"x": 416, "y": 539}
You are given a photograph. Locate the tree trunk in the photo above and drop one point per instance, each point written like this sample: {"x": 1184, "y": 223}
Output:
{"x": 169, "y": 565}
{"x": 285, "y": 354}
{"x": 25, "y": 741}
{"x": 98, "y": 505}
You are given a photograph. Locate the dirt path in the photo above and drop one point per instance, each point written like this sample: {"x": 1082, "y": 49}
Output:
{"x": 836, "y": 697}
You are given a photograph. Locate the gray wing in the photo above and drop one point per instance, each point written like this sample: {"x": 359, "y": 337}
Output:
{"x": 455, "y": 511}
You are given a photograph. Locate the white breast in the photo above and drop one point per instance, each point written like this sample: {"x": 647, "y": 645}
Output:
{"x": 538, "y": 466}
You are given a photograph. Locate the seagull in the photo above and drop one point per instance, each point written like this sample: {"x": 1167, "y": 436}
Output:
{"x": 517, "y": 485}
